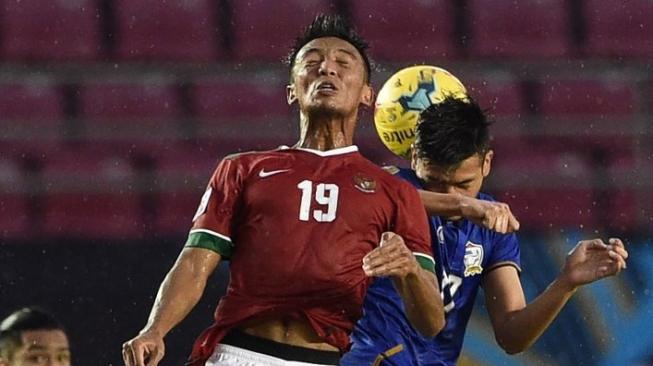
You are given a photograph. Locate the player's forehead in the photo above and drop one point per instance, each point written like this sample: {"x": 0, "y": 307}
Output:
{"x": 465, "y": 170}
{"x": 44, "y": 339}
{"x": 326, "y": 45}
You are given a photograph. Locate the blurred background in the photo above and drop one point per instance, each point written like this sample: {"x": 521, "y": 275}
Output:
{"x": 113, "y": 114}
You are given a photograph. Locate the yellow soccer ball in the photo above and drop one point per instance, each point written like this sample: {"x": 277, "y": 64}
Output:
{"x": 404, "y": 96}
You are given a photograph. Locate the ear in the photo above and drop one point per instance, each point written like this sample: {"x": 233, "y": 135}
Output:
{"x": 367, "y": 96}
{"x": 487, "y": 163}
{"x": 413, "y": 157}
{"x": 290, "y": 97}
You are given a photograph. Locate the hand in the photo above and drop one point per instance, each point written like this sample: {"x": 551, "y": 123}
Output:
{"x": 146, "y": 349}
{"x": 390, "y": 258}
{"x": 492, "y": 215}
{"x": 592, "y": 260}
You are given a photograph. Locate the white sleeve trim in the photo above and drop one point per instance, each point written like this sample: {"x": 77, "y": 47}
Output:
{"x": 207, "y": 231}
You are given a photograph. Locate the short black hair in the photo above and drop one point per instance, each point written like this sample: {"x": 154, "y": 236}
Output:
{"x": 330, "y": 25}
{"x": 26, "y": 319}
{"x": 452, "y": 131}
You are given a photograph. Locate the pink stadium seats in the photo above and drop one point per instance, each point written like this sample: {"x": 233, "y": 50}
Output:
{"x": 167, "y": 30}
{"x": 182, "y": 177}
{"x": 523, "y": 29}
{"x": 45, "y": 30}
{"x": 31, "y": 114}
{"x": 90, "y": 196}
{"x": 247, "y": 113}
{"x": 408, "y": 31}
{"x": 603, "y": 96}
{"x": 501, "y": 96}
{"x": 625, "y": 201}
{"x": 545, "y": 190}
{"x": 258, "y": 96}
{"x": 619, "y": 28}
{"x": 265, "y": 29}
{"x": 144, "y": 111}
{"x": 14, "y": 213}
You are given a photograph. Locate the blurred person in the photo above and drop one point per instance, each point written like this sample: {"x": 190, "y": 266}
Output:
{"x": 452, "y": 154}
{"x": 305, "y": 228}
{"x": 33, "y": 337}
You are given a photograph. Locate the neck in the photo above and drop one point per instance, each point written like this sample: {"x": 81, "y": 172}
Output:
{"x": 326, "y": 133}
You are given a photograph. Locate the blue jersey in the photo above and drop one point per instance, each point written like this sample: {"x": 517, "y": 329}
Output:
{"x": 464, "y": 253}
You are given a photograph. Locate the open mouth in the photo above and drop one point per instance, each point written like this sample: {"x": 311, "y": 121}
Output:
{"x": 326, "y": 87}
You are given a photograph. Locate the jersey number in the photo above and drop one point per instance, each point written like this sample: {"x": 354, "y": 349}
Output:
{"x": 325, "y": 194}
{"x": 450, "y": 285}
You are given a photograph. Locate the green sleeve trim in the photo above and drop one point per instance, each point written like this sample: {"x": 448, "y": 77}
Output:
{"x": 211, "y": 242}
{"x": 425, "y": 262}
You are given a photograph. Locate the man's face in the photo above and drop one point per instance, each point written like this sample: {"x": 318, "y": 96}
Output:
{"x": 329, "y": 77}
{"x": 41, "y": 348}
{"x": 465, "y": 179}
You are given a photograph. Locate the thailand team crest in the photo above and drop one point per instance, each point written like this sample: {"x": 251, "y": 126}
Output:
{"x": 473, "y": 259}
{"x": 364, "y": 184}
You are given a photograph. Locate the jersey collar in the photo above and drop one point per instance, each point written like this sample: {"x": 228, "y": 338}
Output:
{"x": 332, "y": 152}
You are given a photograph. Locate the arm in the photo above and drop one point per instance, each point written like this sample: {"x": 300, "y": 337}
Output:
{"x": 417, "y": 287}
{"x": 492, "y": 215}
{"x": 179, "y": 293}
{"x": 517, "y": 325}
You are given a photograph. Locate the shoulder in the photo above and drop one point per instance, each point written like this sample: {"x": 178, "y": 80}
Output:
{"x": 243, "y": 163}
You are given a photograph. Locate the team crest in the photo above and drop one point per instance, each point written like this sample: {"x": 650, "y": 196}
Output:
{"x": 473, "y": 259}
{"x": 364, "y": 184}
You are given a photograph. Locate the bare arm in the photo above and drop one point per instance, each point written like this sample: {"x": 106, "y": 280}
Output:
{"x": 517, "y": 325}
{"x": 492, "y": 215}
{"x": 417, "y": 287}
{"x": 180, "y": 291}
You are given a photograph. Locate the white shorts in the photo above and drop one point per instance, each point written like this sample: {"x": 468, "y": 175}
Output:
{"x": 226, "y": 355}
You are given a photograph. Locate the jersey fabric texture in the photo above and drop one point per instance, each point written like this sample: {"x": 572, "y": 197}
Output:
{"x": 295, "y": 225}
{"x": 465, "y": 253}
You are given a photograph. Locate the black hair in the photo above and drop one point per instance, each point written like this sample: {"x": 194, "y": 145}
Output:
{"x": 330, "y": 25}
{"x": 452, "y": 131}
{"x": 30, "y": 318}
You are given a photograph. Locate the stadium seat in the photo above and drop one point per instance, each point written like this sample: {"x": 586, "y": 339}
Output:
{"x": 599, "y": 97}
{"x": 30, "y": 109}
{"x": 406, "y": 31}
{"x": 182, "y": 177}
{"x": 91, "y": 196}
{"x": 264, "y": 30}
{"x": 49, "y": 30}
{"x": 247, "y": 112}
{"x": 625, "y": 202}
{"x": 129, "y": 112}
{"x": 546, "y": 190}
{"x": 502, "y": 96}
{"x": 14, "y": 212}
{"x": 523, "y": 29}
{"x": 154, "y": 30}
{"x": 619, "y": 28}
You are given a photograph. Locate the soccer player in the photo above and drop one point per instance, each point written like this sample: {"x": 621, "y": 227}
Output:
{"x": 452, "y": 154}
{"x": 32, "y": 337}
{"x": 305, "y": 229}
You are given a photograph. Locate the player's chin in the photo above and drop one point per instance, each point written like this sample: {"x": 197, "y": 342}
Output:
{"x": 325, "y": 108}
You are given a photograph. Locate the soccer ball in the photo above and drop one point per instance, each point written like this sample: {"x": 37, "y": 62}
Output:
{"x": 404, "y": 96}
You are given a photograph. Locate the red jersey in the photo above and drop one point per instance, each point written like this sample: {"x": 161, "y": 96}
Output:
{"x": 295, "y": 225}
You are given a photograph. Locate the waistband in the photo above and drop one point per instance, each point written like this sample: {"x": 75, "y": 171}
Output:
{"x": 283, "y": 351}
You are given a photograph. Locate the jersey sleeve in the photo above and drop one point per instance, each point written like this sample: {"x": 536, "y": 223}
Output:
{"x": 505, "y": 252}
{"x": 411, "y": 223}
{"x": 213, "y": 221}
